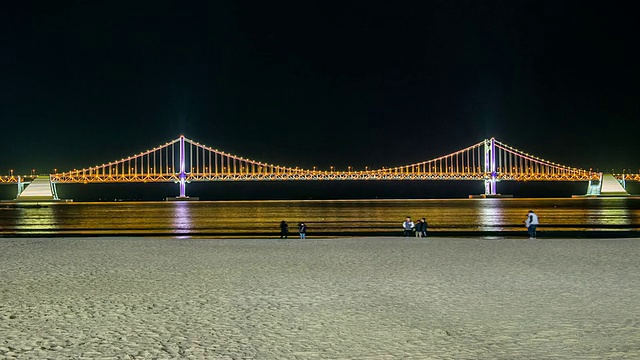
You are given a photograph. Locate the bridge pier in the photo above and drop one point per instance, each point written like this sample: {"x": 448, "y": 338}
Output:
{"x": 182, "y": 183}
{"x": 490, "y": 186}
{"x": 40, "y": 189}
{"x": 607, "y": 185}
{"x": 20, "y": 186}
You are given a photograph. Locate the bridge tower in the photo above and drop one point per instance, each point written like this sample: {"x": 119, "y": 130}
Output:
{"x": 182, "y": 176}
{"x": 490, "y": 166}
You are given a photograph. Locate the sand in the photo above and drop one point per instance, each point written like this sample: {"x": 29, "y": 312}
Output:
{"x": 358, "y": 298}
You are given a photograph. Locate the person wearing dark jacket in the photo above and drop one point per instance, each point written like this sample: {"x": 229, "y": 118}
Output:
{"x": 302, "y": 229}
{"x": 423, "y": 228}
{"x": 284, "y": 230}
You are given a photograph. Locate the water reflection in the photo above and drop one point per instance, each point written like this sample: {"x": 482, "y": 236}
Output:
{"x": 181, "y": 220}
{"x": 615, "y": 215}
{"x": 490, "y": 215}
{"x": 36, "y": 218}
{"x": 357, "y": 217}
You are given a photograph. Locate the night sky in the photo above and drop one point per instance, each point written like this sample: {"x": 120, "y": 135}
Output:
{"x": 318, "y": 83}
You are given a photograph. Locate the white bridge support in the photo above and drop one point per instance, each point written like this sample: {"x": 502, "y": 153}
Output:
{"x": 21, "y": 185}
{"x": 490, "y": 167}
{"x": 182, "y": 176}
{"x": 608, "y": 185}
{"x": 40, "y": 189}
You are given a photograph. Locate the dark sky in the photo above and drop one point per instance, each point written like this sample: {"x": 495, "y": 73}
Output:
{"x": 318, "y": 83}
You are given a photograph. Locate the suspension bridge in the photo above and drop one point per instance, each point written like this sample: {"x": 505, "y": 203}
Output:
{"x": 183, "y": 161}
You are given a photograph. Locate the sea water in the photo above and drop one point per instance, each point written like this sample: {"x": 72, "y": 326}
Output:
{"x": 323, "y": 217}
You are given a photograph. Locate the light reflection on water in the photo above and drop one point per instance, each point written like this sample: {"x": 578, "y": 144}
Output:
{"x": 41, "y": 220}
{"x": 181, "y": 217}
{"x": 491, "y": 216}
{"x": 336, "y": 216}
{"x": 619, "y": 216}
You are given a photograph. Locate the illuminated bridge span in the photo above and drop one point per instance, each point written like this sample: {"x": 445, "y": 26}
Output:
{"x": 183, "y": 160}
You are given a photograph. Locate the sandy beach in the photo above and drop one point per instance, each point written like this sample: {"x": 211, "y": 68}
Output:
{"x": 349, "y": 298}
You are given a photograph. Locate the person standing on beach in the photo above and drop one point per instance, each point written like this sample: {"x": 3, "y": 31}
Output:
{"x": 417, "y": 230}
{"x": 408, "y": 226}
{"x": 284, "y": 230}
{"x": 302, "y": 229}
{"x": 531, "y": 223}
{"x": 423, "y": 227}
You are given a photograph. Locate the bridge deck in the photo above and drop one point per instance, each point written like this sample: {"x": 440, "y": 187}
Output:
{"x": 326, "y": 176}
